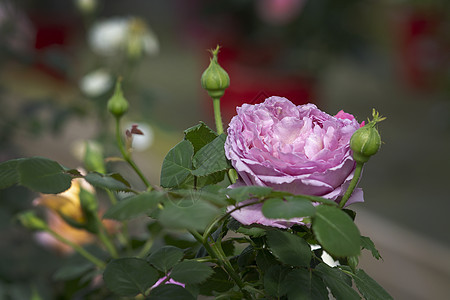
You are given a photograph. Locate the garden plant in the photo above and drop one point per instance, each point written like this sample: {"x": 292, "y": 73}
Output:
{"x": 260, "y": 209}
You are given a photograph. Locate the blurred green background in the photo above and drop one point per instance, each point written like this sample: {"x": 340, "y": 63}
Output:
{"x": 353, "y": 55}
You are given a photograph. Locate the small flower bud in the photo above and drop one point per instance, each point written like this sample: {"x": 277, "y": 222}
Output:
{"x": 215, "y": 79}
{"x": 88, "y": 201}
{"x": 117, "y": 104}
{"x": 29, "y": 220}
{"x": 366, "y": 141}
{"x": 93, "y": 157}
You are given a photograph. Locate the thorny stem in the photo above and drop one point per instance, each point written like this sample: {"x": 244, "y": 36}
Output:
{"x": 222, "y": 260}
{"x": 352, "y": 185}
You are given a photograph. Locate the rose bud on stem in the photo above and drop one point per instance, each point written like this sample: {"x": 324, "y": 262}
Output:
{"x": 215, "y": 80}
{"x": 365, "y": 142}
{"x": 118, "y": 106}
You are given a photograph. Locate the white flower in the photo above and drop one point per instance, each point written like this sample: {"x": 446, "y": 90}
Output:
{"x": 129, "y": 36}
{"x": 108, "y": 37}
{"x": 96, "y": 83}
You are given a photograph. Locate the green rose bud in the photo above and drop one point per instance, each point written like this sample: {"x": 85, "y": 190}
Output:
{"x": 93, "y": 157}
{"x": 215, "y": 79}
{"x": 117, "y": 104}
{"x": 366, "y": 141}
{"x": 88, "y": 201}
{"x": 29, "y": 220}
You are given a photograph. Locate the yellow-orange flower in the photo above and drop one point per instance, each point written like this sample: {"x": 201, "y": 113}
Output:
{"x": 67, "y": 204}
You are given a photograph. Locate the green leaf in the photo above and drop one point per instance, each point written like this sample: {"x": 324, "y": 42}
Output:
{"x": 43, "y": 175}
{"x": 129, "y": 276}
{"x": 247, "y": 192}
{"x": 319, "y": 200}
{"x": 113, "y": 182}
{"x": 301, "y": 284}
{"x": 195, "y": 182}
{"x": 211, "y": 158}
{"x": 246, "y": 257}
{"x": 336, "y": 280}
{"x": 273, "y": 280}
{"x": 366, "y": 243}
{"x": 165, "y": 258}
{"x": 368, "y": 287}
{"x": 8, "y": 173}
{"x": 280, "y": 194}
{"x": 73, "y": 270}
{"x": 133, "y": 206}
{"x": 336, "y": 232}
{"x": 177, "y": 164}
{"x": 290, "y": 207}
{"x": 217, "y": 199}
{"x": 213, "y": 178}
{"x": 191, "y": 272}
{"x": 289, "y": 248}
{"x": 265, "y": 259}
{"x": 252, "y": 231}
{"x": 199, "y": 135}
{"x": 170, "y": 292}
{"x": 188, "y": 215}
{"x": 219, "y": 282}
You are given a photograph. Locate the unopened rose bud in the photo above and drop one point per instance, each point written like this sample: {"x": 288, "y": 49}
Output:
{"x": 366, "y": 141}
{"x": 93, "y": 157}
{"x": 29, "y": 220}
{"x": 117, "y": 104}
{"x": 88, "y": 201}
{"x": 215, "y": 79}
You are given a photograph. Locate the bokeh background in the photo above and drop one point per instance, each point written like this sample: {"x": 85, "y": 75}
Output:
{"x": 59, "y": 61}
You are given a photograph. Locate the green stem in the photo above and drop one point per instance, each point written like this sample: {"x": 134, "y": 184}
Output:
{"x": 122, "y": 235}
{"x": 228, "y": 213}
{"x": 223, "y": 261}
{"x": 208, "y": 229}
{"x": 352, "y": 185}
{"x": 108, "y": 244}
{"x": 217, "y": 115}
{"x": 206, "y": 259}
{"x": 126, "y": 156}
{"x": 111, "y": 197}
{"x": 102, "y": 234}
{"x": 99, "y": 263}
{"x": 228, "y": 267}
{"x": 145, "y": 248}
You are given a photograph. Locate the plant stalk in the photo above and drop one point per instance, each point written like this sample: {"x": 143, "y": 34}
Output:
{"x": 127, "y": 157}
{"x": 96, "y": 261}
{"x": 223, "y": 261}
{"x": 352, "y": 185}
{"x": 108, "y": 244}
{"x": 217, "y": 115}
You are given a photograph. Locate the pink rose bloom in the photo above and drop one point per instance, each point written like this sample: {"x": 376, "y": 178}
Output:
{"x": 296, "y": 149}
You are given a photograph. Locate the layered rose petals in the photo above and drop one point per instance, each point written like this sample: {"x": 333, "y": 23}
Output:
{"x": 297, "y": 149}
